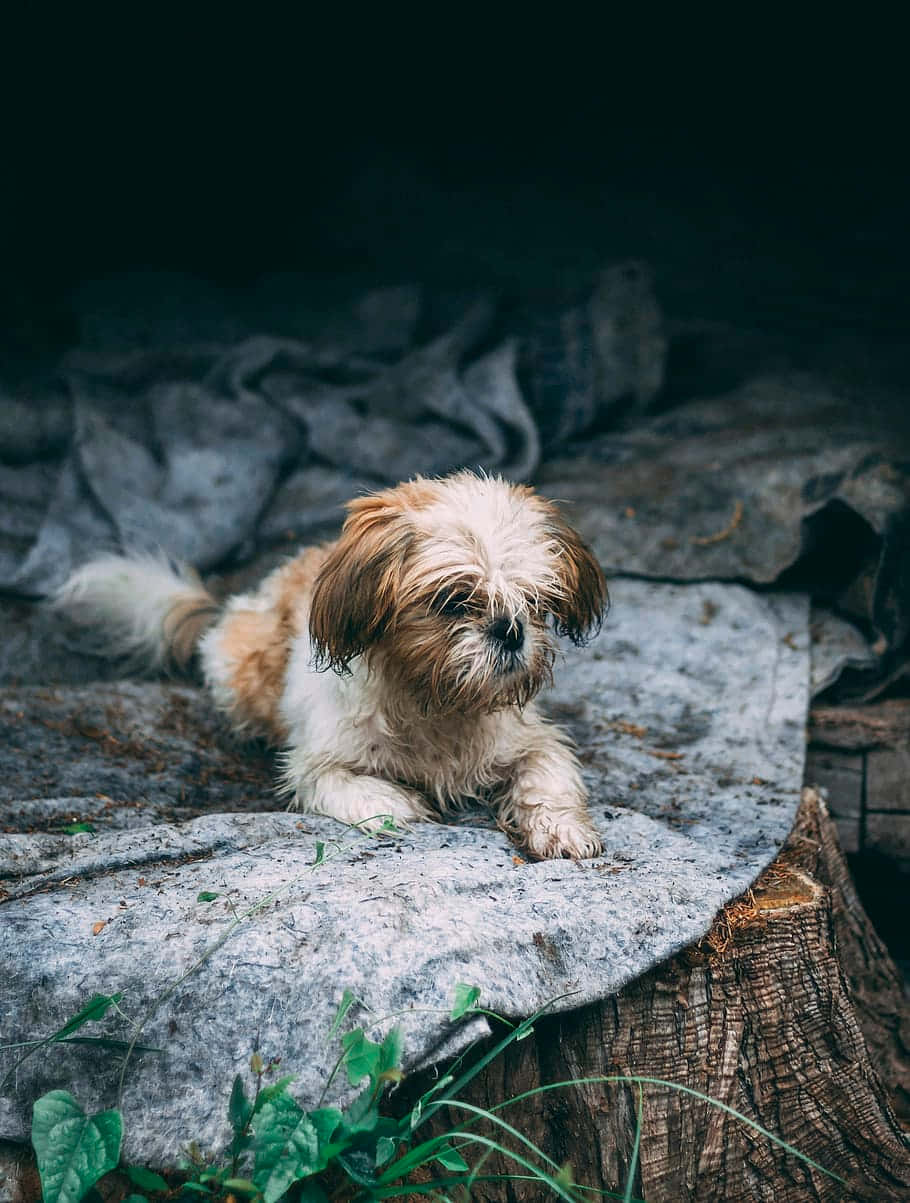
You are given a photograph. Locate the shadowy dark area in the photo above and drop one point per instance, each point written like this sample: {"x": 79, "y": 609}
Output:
{"x": 882, "y": 884}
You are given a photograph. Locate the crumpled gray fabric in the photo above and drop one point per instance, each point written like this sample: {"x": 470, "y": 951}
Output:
{"x": 837, "y": 646}
{"x": 202, "y": 427}
{"x": 689, "y": 711}
{"x": 781, "y": 481}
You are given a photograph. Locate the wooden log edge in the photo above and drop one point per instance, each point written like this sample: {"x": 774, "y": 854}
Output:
{"x": 790, "y": 1011}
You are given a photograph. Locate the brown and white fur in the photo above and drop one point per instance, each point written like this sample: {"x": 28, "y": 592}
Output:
{"x": 396, "y": 666}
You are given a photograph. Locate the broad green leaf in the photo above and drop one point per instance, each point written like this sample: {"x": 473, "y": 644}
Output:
{"x": 133, "y": 1198}
{"x": 242, "y": 1185}
{"x": 361, "y": 1056}
{"x": 360, "y": 1167}
{"x": 96, "y": 1008}
{"x": 286, "y": 1146}
{"x": 464, "y": 1001}
{"x": 326, "y": 1121}
{"x": 385, "y": 1150}
{"x": 146, "y": 1179}
{"x": 207, "y": 896}
{"x": 239, "y": 1107}
{"x": 452, "y": 1159}
{"x": 390, "y": 1051}
{"x": 320, "y": 853}
{"x": 72, "y": 1148}
{"x": 78, "y": 829}
{"x": 363, "y": 1114}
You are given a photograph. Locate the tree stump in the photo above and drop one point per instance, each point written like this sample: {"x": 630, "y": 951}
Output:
{"x": 790, "y": 1011}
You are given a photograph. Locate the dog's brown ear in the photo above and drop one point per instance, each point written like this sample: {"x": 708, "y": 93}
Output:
{"x": 356, "y": 590}
{"x": 582, "y": 600}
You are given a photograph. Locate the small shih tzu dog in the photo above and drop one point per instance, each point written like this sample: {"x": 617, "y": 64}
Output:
{"x": 396, "y": 666}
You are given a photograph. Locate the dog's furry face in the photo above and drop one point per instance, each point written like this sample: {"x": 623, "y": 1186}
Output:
{"x": 451, "y": 589}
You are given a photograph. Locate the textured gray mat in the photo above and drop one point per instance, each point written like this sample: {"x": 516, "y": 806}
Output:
{"x": 182, "y": 422}
{"x": 784, "y": 475}
{"x": 689, "y": 711}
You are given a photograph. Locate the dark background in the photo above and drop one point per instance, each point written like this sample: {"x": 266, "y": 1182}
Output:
{"x": 760, "y": 169}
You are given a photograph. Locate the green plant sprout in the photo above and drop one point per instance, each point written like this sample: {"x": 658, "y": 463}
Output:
{"x": 356, "y": 1153}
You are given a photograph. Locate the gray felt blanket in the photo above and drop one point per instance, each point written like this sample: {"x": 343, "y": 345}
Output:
{"x": 689, "y": 712}
{"x": 228, "y": 438}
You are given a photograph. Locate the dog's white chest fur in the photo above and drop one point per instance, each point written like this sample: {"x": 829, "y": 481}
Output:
{"x": 351, "y": 720}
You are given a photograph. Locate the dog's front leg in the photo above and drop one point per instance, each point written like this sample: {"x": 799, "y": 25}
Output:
{"x": 543, "y": 801}
{"x": 360, "y": 799}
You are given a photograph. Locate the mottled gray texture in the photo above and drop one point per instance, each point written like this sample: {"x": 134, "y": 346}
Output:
{"x": 207, "y": 428}
{"x": 782, "y": 478}
{"x": 836, "y": 645}
{"x": 689, "y": 711}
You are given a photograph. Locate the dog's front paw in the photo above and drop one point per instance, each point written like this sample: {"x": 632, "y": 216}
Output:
{"x": 549, "y": 837}
{"x": 565, "y": 836}
{"x": 387, "y": 807}
{"x": 370, "y": 803}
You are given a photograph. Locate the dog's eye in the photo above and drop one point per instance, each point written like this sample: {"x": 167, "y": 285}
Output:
{"x": 455, "y": 604}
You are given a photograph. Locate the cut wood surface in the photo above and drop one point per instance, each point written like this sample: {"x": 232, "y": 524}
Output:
{"x": 881, "y": 724}
{"x": 791, "y": 1012}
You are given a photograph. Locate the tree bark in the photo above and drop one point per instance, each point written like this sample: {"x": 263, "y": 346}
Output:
{"x": 790, "y": 1011}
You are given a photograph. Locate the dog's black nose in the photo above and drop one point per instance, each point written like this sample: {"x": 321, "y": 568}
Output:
{"x": 509, "y": 632}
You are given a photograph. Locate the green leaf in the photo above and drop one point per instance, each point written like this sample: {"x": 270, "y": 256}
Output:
{"x": 326, "y": 1121}
{"x": 146, "y": 1179}
{"x": 320, "y": 853}
{"x": 565, "y": 1176}
{"x": 385, "y": 1150}
{"x": 465, "y": 1000}
{"x": 390, "y": 1052}
{"x": 361, "y": 1056}
{"x": 312, "y": 1192}
{"x": 117, "y": 1046}
{"x": 270, "y": 1092}
{"x": 347, "y": 1001}
{"x": 73, "y": 1149}
{"x": 363, "y": 1114}
{"x": 96, "y": 1008}
{"x": 287, "y": 1147}
{"x": 133, "y": 1198}
{"x": 452, "y": 1159}
{"x": 207, "y": 896}
{"x": 243, "y": 1185}
{"x": 77, "y": 829}
{"x": 239, "y": 1107}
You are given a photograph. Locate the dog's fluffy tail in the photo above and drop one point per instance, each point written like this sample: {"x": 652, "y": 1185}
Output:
{"x": 141, "y": 606}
